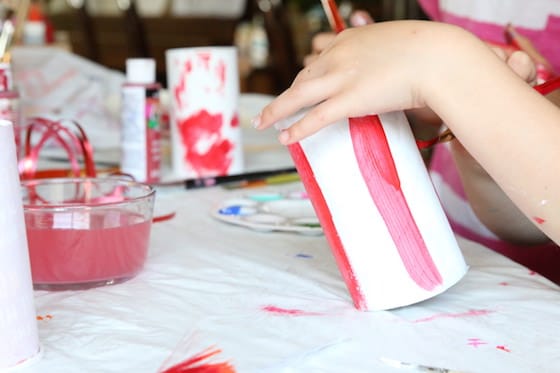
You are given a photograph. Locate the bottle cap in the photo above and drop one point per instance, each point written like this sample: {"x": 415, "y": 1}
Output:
{"x": 141, "y": 70}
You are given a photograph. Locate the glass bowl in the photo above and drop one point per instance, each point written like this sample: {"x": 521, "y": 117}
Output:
{"x": 86, "y": 232}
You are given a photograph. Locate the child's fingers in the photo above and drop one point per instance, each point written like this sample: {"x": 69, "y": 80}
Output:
{"x": 322, "y": 115}
{"x": 522, "y": 64}
{"x": 526, "y": 46}
{"x": 500, "y": 52}
{"x": 309, "y": 59}
{"x": 321, "y": 41}
{"x": 298, "y": 96}
{"x": 318, "y": 44}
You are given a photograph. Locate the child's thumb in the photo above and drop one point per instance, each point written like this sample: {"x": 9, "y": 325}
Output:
{"x": 360, "y": 18}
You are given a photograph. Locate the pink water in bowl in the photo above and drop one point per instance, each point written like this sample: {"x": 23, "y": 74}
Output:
{"x": 84, "y": 246}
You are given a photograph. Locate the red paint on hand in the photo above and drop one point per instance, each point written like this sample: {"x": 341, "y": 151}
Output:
{"x": 538, "y": 220}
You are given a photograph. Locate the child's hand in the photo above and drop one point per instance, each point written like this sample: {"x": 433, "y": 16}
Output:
{"x": 366, "y": 70}
{"x": 520, "y": 62}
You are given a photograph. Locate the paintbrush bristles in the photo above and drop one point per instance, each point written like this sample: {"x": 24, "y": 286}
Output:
{"x": 6, "y": 40}
{"x": 328, "y": 13}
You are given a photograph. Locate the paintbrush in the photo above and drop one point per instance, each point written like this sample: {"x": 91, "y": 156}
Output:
{"x": 243, "y": 177}
{"x": 522, "y": 43}
{"x": 333, "y": 15}
{"x": 283, "y": 178}
{"x": 417, "y": 367}
{"x": 545, "y": 70}
{"x": 6, "y": 38}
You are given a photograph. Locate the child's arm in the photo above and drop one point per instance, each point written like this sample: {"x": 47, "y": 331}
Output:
{"x": 509, "y": 128}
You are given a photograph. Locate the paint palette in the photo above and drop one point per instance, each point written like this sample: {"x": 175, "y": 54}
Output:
{"x": 271, "y": 211}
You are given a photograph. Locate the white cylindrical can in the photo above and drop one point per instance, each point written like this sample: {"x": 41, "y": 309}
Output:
{"x": 203, "y": 84}
{"x": 19, "y": 341}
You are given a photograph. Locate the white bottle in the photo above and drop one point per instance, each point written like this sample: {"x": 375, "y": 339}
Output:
{"x": 258, "y": 52}
{"x": 140, "y": 122}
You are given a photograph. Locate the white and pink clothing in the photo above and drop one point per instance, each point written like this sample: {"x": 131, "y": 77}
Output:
{"x": 539, "y": 20}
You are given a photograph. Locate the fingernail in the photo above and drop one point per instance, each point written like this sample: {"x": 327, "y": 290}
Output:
{"x": 284, "y": 137}
{"x": 256, "y": 121}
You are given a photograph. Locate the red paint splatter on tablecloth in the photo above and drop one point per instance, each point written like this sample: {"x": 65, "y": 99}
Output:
{"x": 206, "y": 151}
{"x": 287, "y": 312}
{"x": 470, "y": 313}
{"x": 503, "y": 348}
{"x": 475, "y": 342}
{"x": 46, "y": 317}
{"x": 196, "y": 364}
{"x": 538, "y": 220}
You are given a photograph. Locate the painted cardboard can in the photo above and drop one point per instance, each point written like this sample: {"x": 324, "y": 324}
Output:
{"x": 380, "y": 213}
{"x": 203, "y": 85}
{"x": 19, "y": 340}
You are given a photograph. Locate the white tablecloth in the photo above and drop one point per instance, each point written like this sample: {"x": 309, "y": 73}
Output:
{"x": 275, "y": 302}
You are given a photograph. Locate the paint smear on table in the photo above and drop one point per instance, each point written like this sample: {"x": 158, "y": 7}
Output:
{"x": 197, "y": 364}
{"x": 304, "y": 256}
{"x": 475, "y": 342}
{"x": 287, "y": 312}
{"x": 470, "y": 313}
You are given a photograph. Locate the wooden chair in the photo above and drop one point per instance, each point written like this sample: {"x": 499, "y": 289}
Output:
{"x": 111, "y": 39}
{"x": 105, "y": 39}
{"x": 283, "y": 63}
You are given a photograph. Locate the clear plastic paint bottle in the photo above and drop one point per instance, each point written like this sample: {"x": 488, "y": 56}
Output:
{"x": 10, "y": 106}
{"x": 140, "y": 122}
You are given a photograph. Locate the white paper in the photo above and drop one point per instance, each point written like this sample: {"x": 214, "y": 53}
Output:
{"x": 56, "y": 84}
